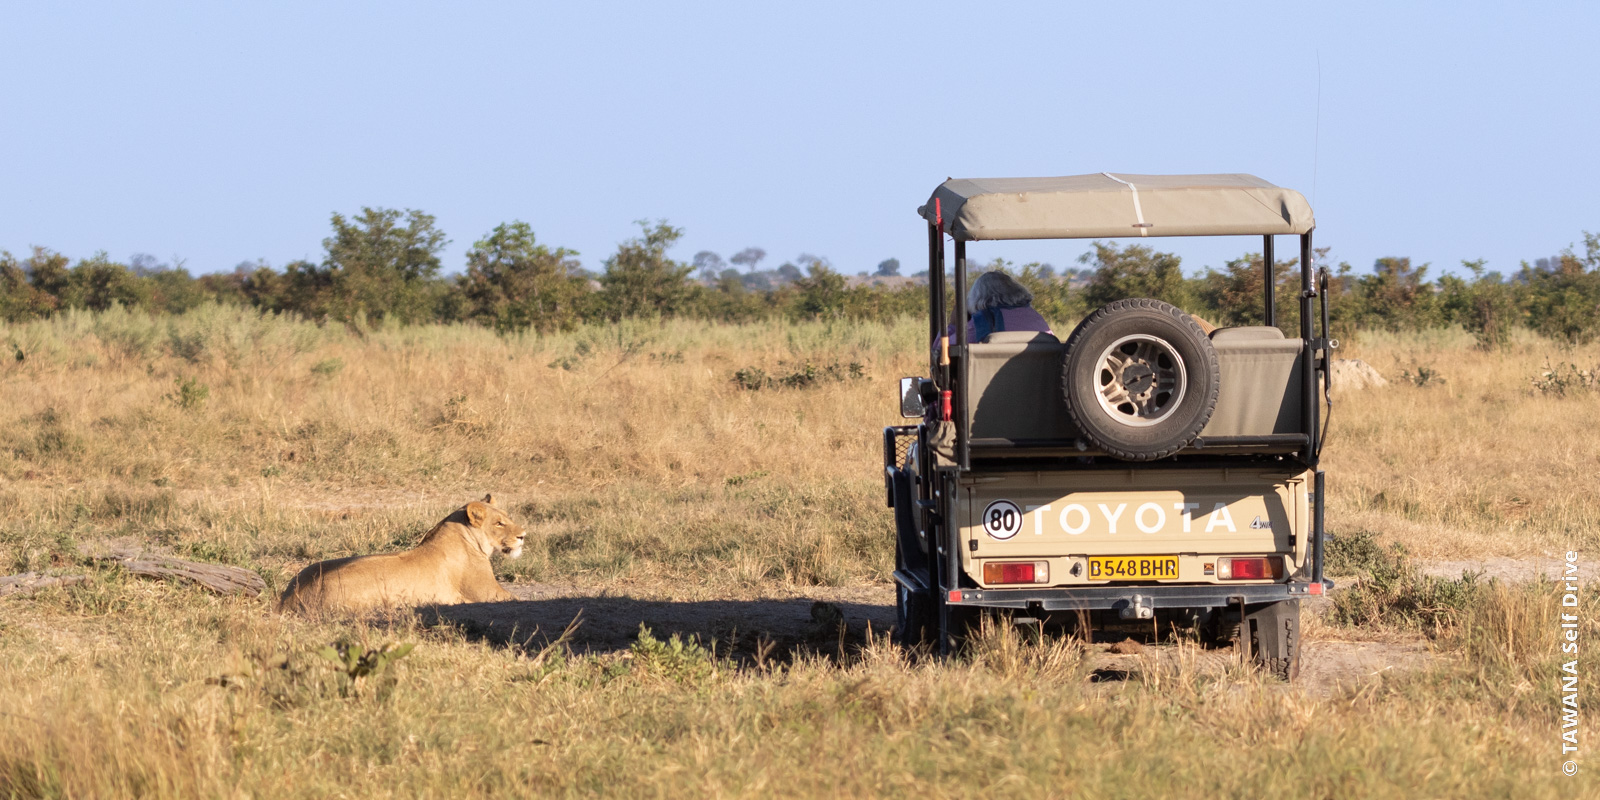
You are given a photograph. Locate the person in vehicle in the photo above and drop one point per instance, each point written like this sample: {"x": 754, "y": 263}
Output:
{"x": 996, "y": 302}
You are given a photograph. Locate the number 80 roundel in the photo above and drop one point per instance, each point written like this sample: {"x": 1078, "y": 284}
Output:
{"x": 1002, "y": 519}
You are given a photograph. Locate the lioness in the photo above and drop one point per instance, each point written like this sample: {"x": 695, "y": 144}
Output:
{"x": 450, "y": 566}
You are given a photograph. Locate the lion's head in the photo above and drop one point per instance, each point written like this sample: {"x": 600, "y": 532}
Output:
{"x": 503, "y": 534}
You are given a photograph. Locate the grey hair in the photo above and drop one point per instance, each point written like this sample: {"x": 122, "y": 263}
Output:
{"x": 996, "y": 289}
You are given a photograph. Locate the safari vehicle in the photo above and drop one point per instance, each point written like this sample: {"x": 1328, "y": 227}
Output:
{"x": 1143, "y": 473}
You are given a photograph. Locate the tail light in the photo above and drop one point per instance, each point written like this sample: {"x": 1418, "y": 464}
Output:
{"x": 1016, "y": 572}
{"x": 1250, "y": 569}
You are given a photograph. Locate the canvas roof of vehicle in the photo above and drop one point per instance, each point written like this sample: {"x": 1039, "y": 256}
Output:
{"x": 1112, "y": 205}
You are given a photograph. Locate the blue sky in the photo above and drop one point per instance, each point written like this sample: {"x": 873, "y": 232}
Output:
{"x": 225, "y": 132}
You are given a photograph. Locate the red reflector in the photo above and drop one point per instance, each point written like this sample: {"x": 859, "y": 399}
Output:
{"x": 1315, "y": 588}
{"x": 955, "y": 595}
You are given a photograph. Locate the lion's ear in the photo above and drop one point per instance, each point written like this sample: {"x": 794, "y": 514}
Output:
{"x": 476, "y": 512}
{"x": 488, "y": 498}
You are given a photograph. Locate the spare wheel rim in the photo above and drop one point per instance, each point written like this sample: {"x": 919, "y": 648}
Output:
{"x": 1140, "y": 380}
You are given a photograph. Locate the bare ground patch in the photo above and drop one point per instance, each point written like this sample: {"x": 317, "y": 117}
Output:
{"x": 1509, "y": 570}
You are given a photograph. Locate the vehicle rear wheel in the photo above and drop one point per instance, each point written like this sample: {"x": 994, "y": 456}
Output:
{"x": 1272, "y": 633}
{"x": 1140, "y": 379}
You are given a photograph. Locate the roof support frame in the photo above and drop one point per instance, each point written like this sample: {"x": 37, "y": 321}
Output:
{"x": 1308, "y": 354}
{"x": 963, "y": 441}
{"x": 1270, "y": 268}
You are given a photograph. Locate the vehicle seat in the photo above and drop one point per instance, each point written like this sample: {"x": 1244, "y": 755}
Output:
{"x": 1261, "y": 386}
{"x": 1015, "y": 382}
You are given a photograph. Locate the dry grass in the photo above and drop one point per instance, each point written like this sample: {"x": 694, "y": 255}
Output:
{"x": 643, "y": 468}
{"x": 635, "y": 455}
{"x": 1474, "y": 463}
{"x": 130, "y": 689}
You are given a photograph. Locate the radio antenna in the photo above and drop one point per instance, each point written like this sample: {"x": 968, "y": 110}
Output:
{"x": 1316, "y": 140}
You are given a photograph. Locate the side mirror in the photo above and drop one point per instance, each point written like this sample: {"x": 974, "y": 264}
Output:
{"x": 911, "y": 397}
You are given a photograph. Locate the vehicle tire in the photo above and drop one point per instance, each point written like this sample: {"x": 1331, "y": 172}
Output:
{"x": 1140, "y": 379}
{"x": 1272, "y": 632}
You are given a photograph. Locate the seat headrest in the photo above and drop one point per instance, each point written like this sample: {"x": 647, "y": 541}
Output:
{"x": 1020, "y": 337}
{"x": 1246, "y": 333}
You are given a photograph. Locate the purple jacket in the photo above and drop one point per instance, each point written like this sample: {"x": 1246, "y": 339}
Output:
{"x": 1015, "y": 318}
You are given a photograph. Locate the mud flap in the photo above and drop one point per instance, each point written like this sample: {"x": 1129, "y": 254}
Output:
{"x": 1272, "y": 632}
{"x": 916, "y": 618}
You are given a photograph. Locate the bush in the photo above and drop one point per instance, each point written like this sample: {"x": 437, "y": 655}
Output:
{"x": 804, "y": 376}
{"x": 1356, "y": 554}
{"x": 1422, "y": 376}
{"x": 1392, "y": 592}
{"x": 677, "y": 660}
{"x": 188, "y": 394}
{"x": 1566, "y": 378}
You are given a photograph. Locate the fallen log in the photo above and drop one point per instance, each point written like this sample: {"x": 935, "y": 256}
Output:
{"x": 217, "y": 578}
{"x": 31, "y": 582}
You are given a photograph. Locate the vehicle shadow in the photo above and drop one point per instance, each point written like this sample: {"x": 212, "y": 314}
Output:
{"x": 763, "y": 628}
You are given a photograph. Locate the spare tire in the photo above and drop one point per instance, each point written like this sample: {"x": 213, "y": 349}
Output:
{"x": 1140, "y": 379}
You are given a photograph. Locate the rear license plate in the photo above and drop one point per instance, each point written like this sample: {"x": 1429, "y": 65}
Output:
{"x": 1133, "y": 568}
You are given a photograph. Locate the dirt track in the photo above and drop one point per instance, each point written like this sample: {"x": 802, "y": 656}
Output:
{"x": 1549, "y": 567}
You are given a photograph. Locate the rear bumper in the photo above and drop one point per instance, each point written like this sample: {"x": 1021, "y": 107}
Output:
{"x": 1103, "y": 597}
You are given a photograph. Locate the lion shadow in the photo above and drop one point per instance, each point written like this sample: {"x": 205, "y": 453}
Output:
{"x": 759, "y": 628}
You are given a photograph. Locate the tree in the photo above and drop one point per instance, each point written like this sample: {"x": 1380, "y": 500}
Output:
{"x": 709, "y": 265}
{"x": 1053, "y": 299}
{"x": 304, "y": 288}
{"x": 811, "y": 262}
{"x": 98, "y": 283}
{"x": 748, "y": 258}
{"x": 762, "y": 281}
{"x": 729, "y": 281}
{"x": 641, "y": 281}
{"x": 1134, "y": 271}
{"x": 1237, "y": 293}
{"x": 514, "y": 283}
{"x": 1564, "y": 300}
{"x": 229, "y": 287}
{"x": 888, "y": 267}
{"x": 1486, "y": 306}
{"x": 172, "y": 289}
{"x": 47, "y": 272}
{"x": 378, "y": 267}
{"x": 822, "y": 293}
{"x": 20, "y": 300}
{"x": 1396, "y": 296}
{"x": 144, "y": 265}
